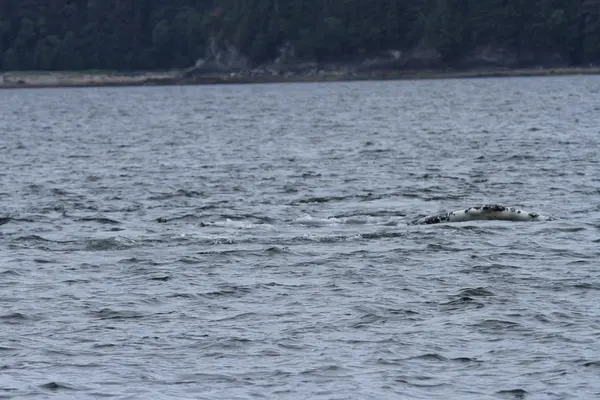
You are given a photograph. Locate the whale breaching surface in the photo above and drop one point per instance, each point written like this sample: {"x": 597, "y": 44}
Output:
{"x": 490, "y": 212}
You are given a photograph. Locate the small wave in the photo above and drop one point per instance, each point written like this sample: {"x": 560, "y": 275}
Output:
{"x": 368, "y": 220}
{"x": 326, "y": 370}
{"x": 497, "y": 325}
{"x": 11, "y": 272}
{"x": 228, "y": 221}
{"x": 311, "y": 237}
{"x": 60, "y": 192}
{"x": 161, "y": 278}
{"x": 289, "y": 189}
{"x": 103, "y": 345}
{"x": 114, "y": 243}
{"x": 44, "y": 261}
{"x": 587, "y": 286}
{"x": 178, "y": 193}
{"x": 463, "y": 302}
{"x": 368, "y": 320}
{"x": 101, "y": 220}
{"x": 376, "y": 151}
{"x": 240, "y": 224}
{"x": 258, "y": 219}
{"x": 444, "y": 197}
{"x": 222, "y": 239}
{"x": 34, "y": 238}
{"x": 588, "y": 364}
{"x": 13, "y": 317}
{"x": 569, "y": 229}
{"x": 107, "y": 313}
{"x": 207, "y": 377}
{"x": 191, "y": 260}
{"x": 136, "y": 261}
{"x": 79, "y": 156}
{"x": 56, "y": 386}
{"x": 475, "y": 292}
{"x": 226, "y": 253}
{"x": 513, "y": 394}
{"x": 277, "y": 250}
{"x": 324, "y": 199}
{"x": 309, "y": 220}
{"x": 372, "y": 214}
{"x": 429, "y": 357}
{"x": 520, "y": 157}
{"x": 436, "y": 247}
{"x": 236, "y": 317}
{"x": 230, "y": 291}
{"x": 382, "y": 235}
{"x": 420, "y": 381}
{"x": 36, "y": 241}
{"x": 179, "y": 218}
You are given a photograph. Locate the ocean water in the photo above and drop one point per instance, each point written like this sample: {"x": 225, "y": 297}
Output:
{"x": 251, "y": 241}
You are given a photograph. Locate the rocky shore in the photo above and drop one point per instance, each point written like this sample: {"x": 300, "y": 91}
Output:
{"x": 312, "y": 73}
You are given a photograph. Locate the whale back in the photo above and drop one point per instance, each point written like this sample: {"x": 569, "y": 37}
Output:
{"x": 484, "y": 212}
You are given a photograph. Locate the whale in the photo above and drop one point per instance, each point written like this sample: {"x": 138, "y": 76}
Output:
{"x": 488, "y": 212}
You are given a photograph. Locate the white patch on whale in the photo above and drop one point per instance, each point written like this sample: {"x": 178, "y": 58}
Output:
{"x": 489, "y": 212}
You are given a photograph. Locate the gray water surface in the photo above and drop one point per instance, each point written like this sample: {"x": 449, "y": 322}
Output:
{"x": 237, "y": 242}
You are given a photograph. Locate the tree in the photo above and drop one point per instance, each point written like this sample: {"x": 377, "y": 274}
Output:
{"x": 144, "y": 34}
{"x": 10, "y": 62}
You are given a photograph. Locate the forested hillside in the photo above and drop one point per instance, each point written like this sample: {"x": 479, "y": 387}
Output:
{"x": 159, "y": 34}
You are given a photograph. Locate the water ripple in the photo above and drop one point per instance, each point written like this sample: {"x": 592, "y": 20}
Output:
{"x": 251, "y": 241}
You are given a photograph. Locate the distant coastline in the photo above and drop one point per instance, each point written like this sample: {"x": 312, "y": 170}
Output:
{"x": 66, "y": 79}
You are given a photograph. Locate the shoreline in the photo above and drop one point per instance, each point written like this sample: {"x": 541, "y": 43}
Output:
{"x": 73, "y": 79}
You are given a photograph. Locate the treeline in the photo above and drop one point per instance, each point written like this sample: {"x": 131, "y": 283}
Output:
{"x": 159, "y": 34}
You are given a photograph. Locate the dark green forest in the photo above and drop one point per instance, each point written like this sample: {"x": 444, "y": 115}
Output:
{"x": 162, "y": 34}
